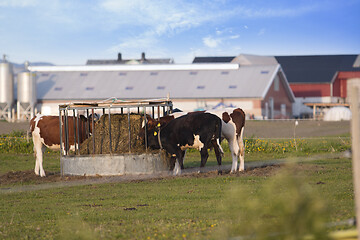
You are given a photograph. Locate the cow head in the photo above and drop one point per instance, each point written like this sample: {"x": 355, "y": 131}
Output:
{"x": 95, "y": 116}
{"x": 152, "y": 129}
{"x": 92, "y": 117}
{"x": 153, "y": 136}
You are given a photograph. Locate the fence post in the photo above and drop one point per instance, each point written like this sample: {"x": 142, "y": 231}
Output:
{"x": 355, "y": 135}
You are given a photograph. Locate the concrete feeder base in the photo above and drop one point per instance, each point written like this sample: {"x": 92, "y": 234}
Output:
{"x": 107, "y": 165}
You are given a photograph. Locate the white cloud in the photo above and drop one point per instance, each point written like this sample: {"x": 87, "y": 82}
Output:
{"x": 223, "y": 37}
{"x": 261, "y": 32}
{"x": 161, "y": 18}
{"x": 211, "y": 42}
{"x": 144, "y": 41}
{"x": 157, "y": 19}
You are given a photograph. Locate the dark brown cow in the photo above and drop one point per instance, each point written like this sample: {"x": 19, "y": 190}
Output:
{"x": 45, "y": 131}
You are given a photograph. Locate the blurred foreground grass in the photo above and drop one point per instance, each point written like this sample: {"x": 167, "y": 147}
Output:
{"x": 277, "y": 205}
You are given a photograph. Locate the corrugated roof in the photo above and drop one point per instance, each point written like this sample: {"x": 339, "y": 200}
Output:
{"x": 141, "y": 67}
{"x": 245, "y": 82}
{"x": 213, "y": 59}
{"x": 248, "y": 59}
{"x": 298, "y": 69}
{"x": 242, "y": 59}
{"x": 315, "y": 69}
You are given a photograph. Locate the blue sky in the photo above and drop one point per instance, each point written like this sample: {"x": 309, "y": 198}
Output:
{"x": 66, "y": 32}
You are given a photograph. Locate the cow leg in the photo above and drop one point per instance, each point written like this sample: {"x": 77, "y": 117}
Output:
{"x": 38, "y": 152}
{"x": 179, "y": 162}
{"x": 177, "y": 168}
{"x": 242, "y": 150}
{"x": 37, "y": 168}
{"x": 204, "y": 156}
{"x": 218, "y": 150}
{"x": 234, "y": 149}
{"x": 40, "y": 160}
{"x": 183, "y": 157}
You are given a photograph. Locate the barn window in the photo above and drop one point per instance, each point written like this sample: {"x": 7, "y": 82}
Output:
{"x": 224, "y": 73}
{"x": 193, "y": 73}
{"x": 201, "y": 87}
{"x": 83, "y": 74}
{"x": 122, "y": 73}
{"x": 153, "y": 73}
{"x": 58, "y": 88}
{"x": 160, "y": 88}
{"x": 129, "y": 88}
{"x": 264, "y": 72}
{"x": 232, "y": 86}
{"x": 276, "y": 83}
{"x": 89, "y": 88}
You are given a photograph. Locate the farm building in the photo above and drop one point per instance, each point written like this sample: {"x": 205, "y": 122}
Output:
{"x": 318, "y": 79}
{"x": 261, "y": 89}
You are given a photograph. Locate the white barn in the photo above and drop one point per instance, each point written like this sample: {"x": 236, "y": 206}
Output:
{"x": 262, "y": 90}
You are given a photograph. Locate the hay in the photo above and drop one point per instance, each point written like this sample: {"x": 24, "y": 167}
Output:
{"x": 119, "y": 135}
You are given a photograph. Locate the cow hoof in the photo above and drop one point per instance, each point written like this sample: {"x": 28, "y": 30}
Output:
{"x": 219, "y": 172}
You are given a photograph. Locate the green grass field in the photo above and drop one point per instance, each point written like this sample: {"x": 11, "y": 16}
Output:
{"x": 292, "y": 200}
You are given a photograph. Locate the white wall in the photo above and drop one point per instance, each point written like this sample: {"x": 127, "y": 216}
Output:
{"x": 299, "y": 107}
{"x": 186, "y": 105}
{"x": 196, "y": 104}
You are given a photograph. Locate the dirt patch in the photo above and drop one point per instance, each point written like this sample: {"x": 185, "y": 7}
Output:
{"x": 263, "y": 171}
{"x": 29, "y": 177}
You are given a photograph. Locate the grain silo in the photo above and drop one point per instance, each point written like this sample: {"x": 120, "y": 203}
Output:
{"x": 6, "y": 90}
{"x": 26, "y": 94}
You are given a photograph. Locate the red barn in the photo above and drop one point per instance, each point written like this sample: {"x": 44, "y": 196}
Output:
{"x": 319, "y": 79}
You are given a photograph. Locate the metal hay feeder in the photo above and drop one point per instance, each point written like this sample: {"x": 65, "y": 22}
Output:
{"x": 110, "y": 162}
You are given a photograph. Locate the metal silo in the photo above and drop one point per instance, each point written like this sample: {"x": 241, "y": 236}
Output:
{"x": 26, "y": 94}
{"x": 6, "y": 90}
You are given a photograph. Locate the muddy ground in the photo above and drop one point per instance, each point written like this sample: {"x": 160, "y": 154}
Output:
{"x": 28, "y": 177}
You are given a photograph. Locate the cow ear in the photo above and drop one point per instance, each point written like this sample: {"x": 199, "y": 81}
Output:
{"x": 159, "y": 125}
{"x": 155, "y": 133}
{"x": 150, "y": 121}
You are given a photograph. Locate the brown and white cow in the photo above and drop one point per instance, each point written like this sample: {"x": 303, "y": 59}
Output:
{"x": 45, "y": 132}
{"x": 233, "y": 125}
